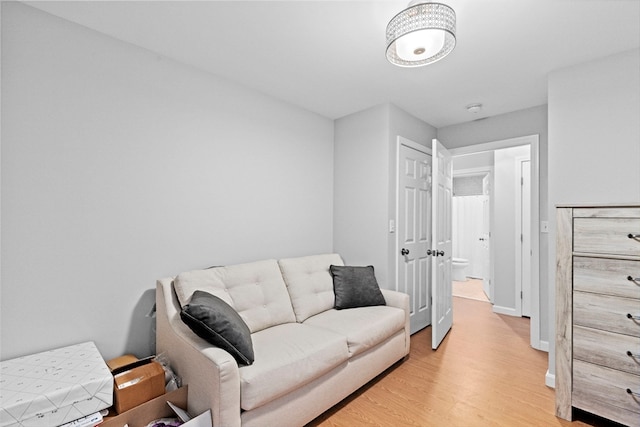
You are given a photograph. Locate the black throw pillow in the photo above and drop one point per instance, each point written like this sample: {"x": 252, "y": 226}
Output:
{"x": 217, "y": 322}
{"x": 355, "y": 287}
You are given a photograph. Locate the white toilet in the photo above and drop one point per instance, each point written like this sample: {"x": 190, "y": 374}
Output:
{"x": 459, "y": 269}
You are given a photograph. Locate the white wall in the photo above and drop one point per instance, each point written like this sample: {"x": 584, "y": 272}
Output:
{"x": 120, "y": 167}
{"x": 594, "y": 141}
{"x": 361, "y": 170}
{"x": 472, "y": 161}
{"x": 364, "y": 184}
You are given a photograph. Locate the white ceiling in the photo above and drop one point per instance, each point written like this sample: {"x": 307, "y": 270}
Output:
{"x": 328, "y": 56}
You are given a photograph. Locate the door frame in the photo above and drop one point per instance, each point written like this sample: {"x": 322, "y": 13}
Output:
{"x": 393, "y": 224}
{"x": 533, "y": 141}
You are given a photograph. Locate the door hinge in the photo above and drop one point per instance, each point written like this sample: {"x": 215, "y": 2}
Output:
{"x": 521, "y": 238}
{"x": 520, "y": 294}
{"x": 521, "y": 180}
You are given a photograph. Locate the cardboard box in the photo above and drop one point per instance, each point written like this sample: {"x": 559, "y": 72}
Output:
{"x": 154, "y": 409}
{"x": 54, "y": 387}
{"x": 136, "y": 382}
{"x": 121, "y": 361}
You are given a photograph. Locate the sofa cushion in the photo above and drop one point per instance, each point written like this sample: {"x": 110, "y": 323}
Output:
{"x": 310, "y": 283}
{"x": 255, "y": 290}
{"x": 364, "y": 327}
{"x": 355, "y": 287}
{"x": 218, "y": 323}
{"x": 287, "y": 357}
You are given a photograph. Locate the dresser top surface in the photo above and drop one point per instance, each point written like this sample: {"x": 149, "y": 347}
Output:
{"x": 599, "y": 205}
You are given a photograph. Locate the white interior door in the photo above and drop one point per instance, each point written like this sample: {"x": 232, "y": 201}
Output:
{"x": 441, "y": 216}
{"x": 467, "y": 231}
{"x": 414, "y": 232}
{"x": 485, "y": 237}
{"x": 525, "y": 250}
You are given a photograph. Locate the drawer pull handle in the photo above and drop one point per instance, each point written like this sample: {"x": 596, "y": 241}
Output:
{"x": 631, "y": 316}
{"x": 633, "y": 393}
{"x": 635, "y": 280}
{"x": 633, "y": 236}
{"x": 630, "y": 354}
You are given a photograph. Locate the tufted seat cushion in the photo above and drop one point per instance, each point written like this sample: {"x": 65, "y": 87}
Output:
{"x": 364, "y": 327}
{"x": 286, "y": 358}
{"x": 310, "y": 283}
{"x": 255, "y": 290}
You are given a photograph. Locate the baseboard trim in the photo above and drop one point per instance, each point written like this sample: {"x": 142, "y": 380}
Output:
{"x": 505, "y": 310}
{"x": 550, "y": 380}
{"x": 544, "y": 346}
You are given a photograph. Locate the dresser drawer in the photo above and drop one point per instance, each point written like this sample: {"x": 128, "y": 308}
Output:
{"x": 606, "y": 313}
{"x": 607, "y": 212}
{"x": 607, "y": 276}
{"x": 606, "y": 236}
{"x": 603, "y": 391}
{"x": 607, "y": 349}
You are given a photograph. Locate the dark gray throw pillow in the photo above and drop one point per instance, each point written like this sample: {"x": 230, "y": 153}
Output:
{"x": 355, "y": 287}
{"x": 217, "y": 322}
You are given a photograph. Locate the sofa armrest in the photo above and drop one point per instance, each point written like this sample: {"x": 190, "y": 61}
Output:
{"x": 400, "y": 300}
{"x": 396, "y": 299}
{"x": 211, "y": 373}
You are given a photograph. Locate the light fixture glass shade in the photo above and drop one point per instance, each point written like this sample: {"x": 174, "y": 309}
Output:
{"x": 421, "y": 34}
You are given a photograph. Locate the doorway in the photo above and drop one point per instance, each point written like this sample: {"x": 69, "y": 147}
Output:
{"x": 413, "y": 236}
{"x": 471, "y": 225}
{"x": 510, "y": 302}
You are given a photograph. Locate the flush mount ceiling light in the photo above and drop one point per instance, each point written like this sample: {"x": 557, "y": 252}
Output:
{"x": 421, "y": 34}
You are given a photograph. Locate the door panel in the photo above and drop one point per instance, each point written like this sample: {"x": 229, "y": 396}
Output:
{"x": 441, "y": 216}
{"x": 485, "y": 237}
{"x": 526, "y": 237}
{"x": 414, "y": 230}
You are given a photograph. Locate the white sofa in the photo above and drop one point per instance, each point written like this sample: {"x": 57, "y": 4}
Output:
{"x": 308, "y": 355}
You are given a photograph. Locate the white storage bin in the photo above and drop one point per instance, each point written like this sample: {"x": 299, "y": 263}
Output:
{"x": 54, "y": 387}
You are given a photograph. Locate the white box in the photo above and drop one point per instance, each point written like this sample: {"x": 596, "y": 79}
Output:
{"x": 54, "y": 387}
{"x": 202, "y": 420}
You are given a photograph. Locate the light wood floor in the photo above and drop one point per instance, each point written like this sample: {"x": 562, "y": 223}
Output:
{"x": 484, "y": 374}
{"x": 471, "y": 288}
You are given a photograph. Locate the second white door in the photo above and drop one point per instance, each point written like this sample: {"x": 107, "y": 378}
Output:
{"x": 414, "y": 231}
{"x": 523, "y": 221}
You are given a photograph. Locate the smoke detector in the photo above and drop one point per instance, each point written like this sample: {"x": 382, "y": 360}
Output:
{"x": 474, "y": 108}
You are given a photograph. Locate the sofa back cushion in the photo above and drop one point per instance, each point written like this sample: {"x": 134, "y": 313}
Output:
{"x": 255, "y": 290}
{"x": 310, "y": 283}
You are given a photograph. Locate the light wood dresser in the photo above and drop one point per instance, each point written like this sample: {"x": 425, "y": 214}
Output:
{"x": 598, "y": 312}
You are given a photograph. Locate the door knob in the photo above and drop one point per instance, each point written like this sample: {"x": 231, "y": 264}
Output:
{"x": 404, "y": 251}
{"x": 481, "y": 239}
{"x": 430, "y": 252}
{"x": 439, "y": 253}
